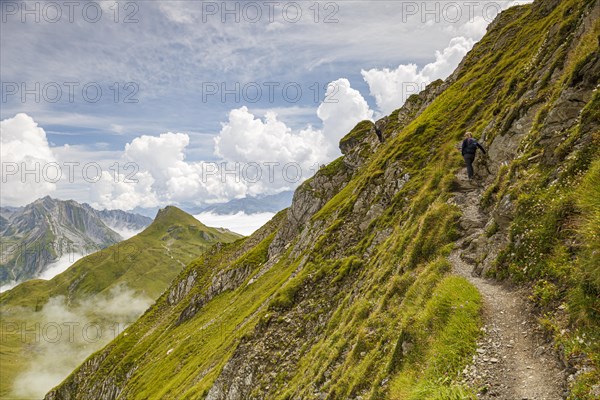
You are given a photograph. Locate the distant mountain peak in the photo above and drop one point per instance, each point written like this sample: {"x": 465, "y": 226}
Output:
{"x": 253, "y": 204}
{"x": 172, "y": 214}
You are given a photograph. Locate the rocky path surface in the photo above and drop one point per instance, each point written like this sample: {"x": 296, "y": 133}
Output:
{"x": 513, "y": 362}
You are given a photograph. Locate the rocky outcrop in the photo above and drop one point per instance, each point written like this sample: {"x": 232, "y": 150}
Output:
{"x": 106, "y": 390}
{"x": 417, "y": 103}
{"x": 361, "y": 143}
{"x": 182, "y": 288}
{"x": 531, "y": 112}
{"x": 276, "y": 344}
{"x": 309, "y": 198}
{"x": 225, "y": 280}
{"x": 357, "y": 148}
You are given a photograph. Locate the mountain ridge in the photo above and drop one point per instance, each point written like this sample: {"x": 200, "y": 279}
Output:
{"x": 169, "y": 223}
{"x": 42, "y": 232}
{"x": 45, "y": 230}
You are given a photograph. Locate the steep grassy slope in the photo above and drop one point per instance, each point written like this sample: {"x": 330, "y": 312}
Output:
{"x": 349, "y": 293}
{"x": 107, "y": 289}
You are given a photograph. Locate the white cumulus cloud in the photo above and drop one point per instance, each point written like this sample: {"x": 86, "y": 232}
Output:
{"x": 255, "y": 156}
{"x": 342, "y": 108}
{"x": 27, "y": 161}
{"x": 245, "y": 138}
{"x": 124, "y": 192}
{"x": 391, "y": 87}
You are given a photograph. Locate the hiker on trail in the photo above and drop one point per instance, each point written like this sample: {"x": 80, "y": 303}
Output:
{"x": 469, "y": 149}
{"x": 378, "y": 132}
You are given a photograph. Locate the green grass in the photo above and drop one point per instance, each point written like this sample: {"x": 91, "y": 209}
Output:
{"x": 443, "y": 333}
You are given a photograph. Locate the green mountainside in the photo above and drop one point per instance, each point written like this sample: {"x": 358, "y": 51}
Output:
{"x": 108, "y": 289}
{"x": 352, "y": 292}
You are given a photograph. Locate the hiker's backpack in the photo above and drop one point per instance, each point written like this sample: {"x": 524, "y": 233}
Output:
{"x": 471, "y": 147}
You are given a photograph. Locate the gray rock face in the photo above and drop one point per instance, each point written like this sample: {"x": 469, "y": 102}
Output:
{"x": 226, "y": 280}
{"x": 104, "y": 390}
{"x": 308, "y": 199}
{"x": 182, "y": 288}
{"x": 364, "y": 140}
{"x": 562, "y": 114}
{"x": 505, "y": 147}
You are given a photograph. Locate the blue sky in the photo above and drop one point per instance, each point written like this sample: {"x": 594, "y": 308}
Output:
{"x": 166, "y": 55}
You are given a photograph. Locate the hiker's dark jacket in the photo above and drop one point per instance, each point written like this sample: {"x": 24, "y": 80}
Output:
{"x": 470, "y": 145}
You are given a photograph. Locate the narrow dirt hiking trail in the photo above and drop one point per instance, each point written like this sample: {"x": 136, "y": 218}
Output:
{"x": 512, "y": 362}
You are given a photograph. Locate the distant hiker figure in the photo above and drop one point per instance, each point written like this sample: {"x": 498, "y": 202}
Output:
{"x": 469, "y": 149}
{"x": 378, "y": 132}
